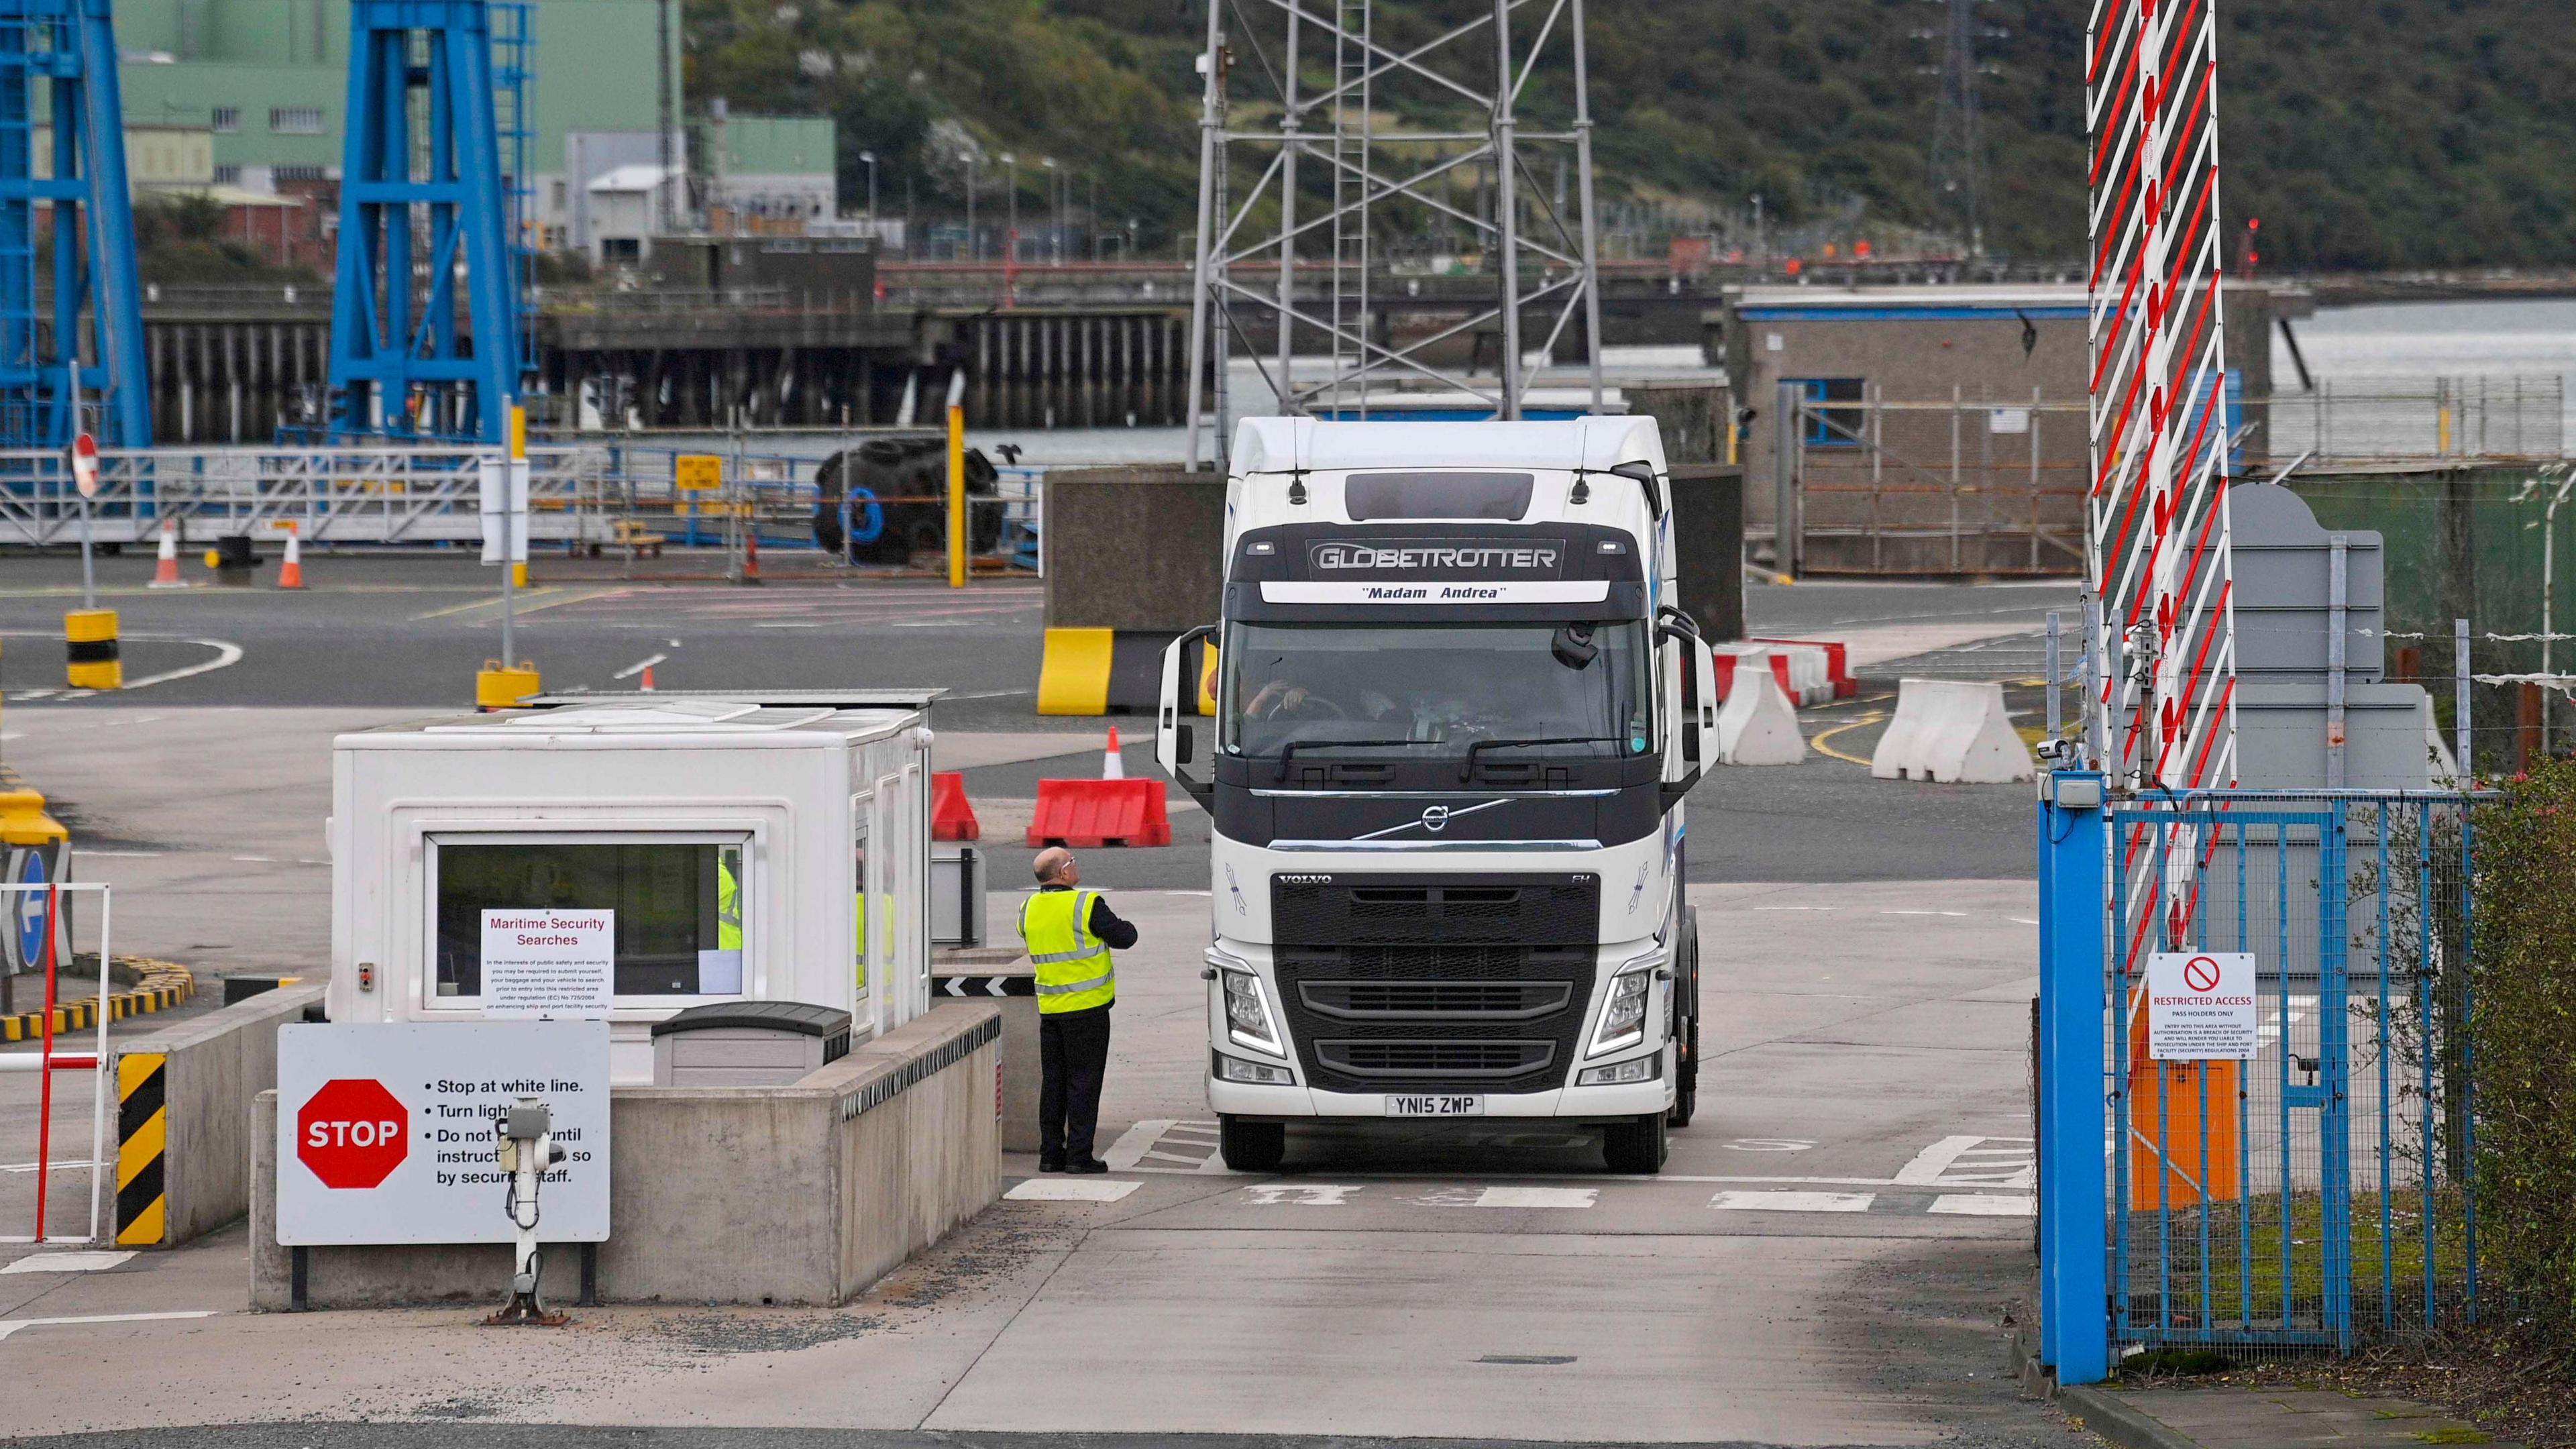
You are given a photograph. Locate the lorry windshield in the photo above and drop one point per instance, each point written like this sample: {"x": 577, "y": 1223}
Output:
{"x": 1582, "y": 688}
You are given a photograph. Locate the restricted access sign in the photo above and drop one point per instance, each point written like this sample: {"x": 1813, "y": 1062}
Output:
{"x": 2200, "y": 1006}
{"x": 384, "y": 1133}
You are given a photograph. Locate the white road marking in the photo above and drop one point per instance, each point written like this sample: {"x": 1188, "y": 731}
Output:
{"x": 1793, "y": 908}
{"x": 1923, "y": 913}
{"x": 66, "y": 1262}
{"x": 1769, "y": 1144}
{"x": 1301, "y": 1194}
{"x": 9, "y": 1326}
{"x": 1986, "y": 1205}
{"x": 87, "y": 853}
{"x": 1968, "y": 1162}
{"x": 640, "y": 665}
{"x": 1793, "y": 1202}
{"x": 1538, "y": 1197}
{"x": 50, "y": 1167}
{"x": 2021, "y": 920}
{"x": 1070, "y": 1189}
{"x": 226, "y": 656}
{"x": 789, "y": 624}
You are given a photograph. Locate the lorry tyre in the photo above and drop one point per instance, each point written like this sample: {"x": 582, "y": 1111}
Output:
{"x": 1251, "y": 1146}
{"x": 1638, "y": 1146}
{"x": 1686, "y": 1060}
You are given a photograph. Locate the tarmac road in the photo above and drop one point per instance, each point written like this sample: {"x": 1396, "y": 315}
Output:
{"x": 1826, "y": 1261}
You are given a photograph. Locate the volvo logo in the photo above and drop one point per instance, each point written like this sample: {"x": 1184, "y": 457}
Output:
{"x": 1435, "y": 818}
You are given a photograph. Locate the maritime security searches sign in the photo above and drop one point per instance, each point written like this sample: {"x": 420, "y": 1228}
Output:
{"x": 384, "y": 1133}
{"x": 1436, "y": 571}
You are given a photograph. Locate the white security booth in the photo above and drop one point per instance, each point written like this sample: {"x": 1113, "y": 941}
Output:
{"x": 772, "y": 846}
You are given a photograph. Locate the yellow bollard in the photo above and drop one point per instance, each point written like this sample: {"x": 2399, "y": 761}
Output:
{"x": 90, "y": 651}
{"x": 497, "y": 686}
{"x": 957, "y": 539}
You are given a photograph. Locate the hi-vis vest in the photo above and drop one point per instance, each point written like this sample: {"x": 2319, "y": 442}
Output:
{"x": 728, "y": 909}
{"x": 1075, "y": 969}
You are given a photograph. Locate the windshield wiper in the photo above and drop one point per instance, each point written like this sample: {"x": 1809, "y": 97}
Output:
{"x": 1289, "y": 750}
{"x": 1467, "y": 771}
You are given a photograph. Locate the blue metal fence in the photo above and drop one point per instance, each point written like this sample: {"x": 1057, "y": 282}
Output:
{"x": 2315, "y": 1193}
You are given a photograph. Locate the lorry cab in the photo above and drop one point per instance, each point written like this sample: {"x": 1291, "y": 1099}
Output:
{"x": 1455, "y": 715}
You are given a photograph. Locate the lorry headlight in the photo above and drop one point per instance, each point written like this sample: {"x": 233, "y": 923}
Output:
{"x": 1623, "y": 1019}
{"x": 1260, "y": 1074}
{"x": 1635, "y": 1069}
{"x": 1247, "y": 1012}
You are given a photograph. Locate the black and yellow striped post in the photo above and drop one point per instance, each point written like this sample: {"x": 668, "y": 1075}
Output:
{"x": 142, "y": 1135}
{"x": 90, "y": 654}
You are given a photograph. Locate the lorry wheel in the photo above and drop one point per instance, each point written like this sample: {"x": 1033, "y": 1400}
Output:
{"x": 1636, "y": 1147}
{"x": 1251, "y": 1146}
{"x": 1686, "y": 1077}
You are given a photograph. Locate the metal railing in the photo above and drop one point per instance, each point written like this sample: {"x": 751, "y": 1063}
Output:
{"x": 2356, "y": 420}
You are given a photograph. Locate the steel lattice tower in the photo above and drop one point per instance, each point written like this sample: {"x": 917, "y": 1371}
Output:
{"x": 425, "y": 317}
{"x": 2157, "y": 538}
{"x": 96, "y": 292}
{"x": 1334, "y": 175}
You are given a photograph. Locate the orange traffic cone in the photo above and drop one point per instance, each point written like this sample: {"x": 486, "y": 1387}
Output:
{"x": 165, "y": 574}
{"x": 648, "y": 679}
{"x": 290, "y": 574}
{"x": 751, "y": 558}
{"x": 1111, "y": 766}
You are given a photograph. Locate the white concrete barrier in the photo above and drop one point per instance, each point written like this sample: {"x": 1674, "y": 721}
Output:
{"x": 1758, "y": 725}
{"x": 1952, "y": 731}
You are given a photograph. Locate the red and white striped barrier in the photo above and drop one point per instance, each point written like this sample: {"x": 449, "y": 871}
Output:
{"x": 1805, "y": 671}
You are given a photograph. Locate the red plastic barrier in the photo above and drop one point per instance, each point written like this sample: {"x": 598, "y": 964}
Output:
{"x": 1837, "y": 663}
{"x": 1100, "y": 812}
{"x": 951, "y": 817}
{"x": 1725, "y": 675}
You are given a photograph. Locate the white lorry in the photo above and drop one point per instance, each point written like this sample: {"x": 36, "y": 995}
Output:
{"x": 1456, "y": 713}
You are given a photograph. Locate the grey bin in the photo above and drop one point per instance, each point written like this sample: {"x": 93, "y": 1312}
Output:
{"x": 956, "y": 896}
{"x": 747, "y": 1043}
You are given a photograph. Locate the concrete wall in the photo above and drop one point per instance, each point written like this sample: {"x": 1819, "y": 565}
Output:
{"x": 1134, "y": 548}
{"x": 1020, "y": 1071}
{"x": 1690, "y": 415}
{"x": 213, "y": 1066}
{"x": 800, "y": 1194}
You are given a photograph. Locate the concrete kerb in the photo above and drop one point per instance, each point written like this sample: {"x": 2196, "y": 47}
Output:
{"x": 2124, "y": 1424}
{"x": 193, "y": 1142}
{"x": 803, "y": 1194}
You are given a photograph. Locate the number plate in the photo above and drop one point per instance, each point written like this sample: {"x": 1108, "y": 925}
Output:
{"x": 1435, "y": 1106}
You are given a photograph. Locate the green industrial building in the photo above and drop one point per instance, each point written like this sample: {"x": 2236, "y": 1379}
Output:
{"x": 268, "y": 81}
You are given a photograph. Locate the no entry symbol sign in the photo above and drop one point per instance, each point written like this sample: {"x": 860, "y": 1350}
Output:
{"x": 2200, "y": 1006}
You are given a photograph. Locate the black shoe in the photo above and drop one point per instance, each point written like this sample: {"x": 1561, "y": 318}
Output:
{"x": 1050, "y": 1164}
{"x": 1083, "y": 1166}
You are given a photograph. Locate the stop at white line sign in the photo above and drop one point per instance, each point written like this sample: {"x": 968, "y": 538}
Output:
{"x": 2200, "y": 1006}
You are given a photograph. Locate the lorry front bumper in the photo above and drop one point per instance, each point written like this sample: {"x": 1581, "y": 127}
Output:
{"x": 1580, "y": 1104}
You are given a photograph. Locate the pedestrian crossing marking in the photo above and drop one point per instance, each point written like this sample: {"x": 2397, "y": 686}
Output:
{"x": 1301, "y": 1194}
{"x": 1986, "y": 1205}
{"x": 1538, "y": 1197}
{"x": 1997, "y": 1162}
{"x": 1793, "y": 1202}
{"x": 1070, "y": 1189}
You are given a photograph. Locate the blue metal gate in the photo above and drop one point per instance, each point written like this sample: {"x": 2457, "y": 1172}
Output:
{"x": 2315, "y": 1193}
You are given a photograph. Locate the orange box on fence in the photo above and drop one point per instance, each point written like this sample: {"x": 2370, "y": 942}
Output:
{"x": 2165, "y": 1162}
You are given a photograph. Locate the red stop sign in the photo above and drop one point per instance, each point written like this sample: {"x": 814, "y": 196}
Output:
{"x": 352, "y": 1133}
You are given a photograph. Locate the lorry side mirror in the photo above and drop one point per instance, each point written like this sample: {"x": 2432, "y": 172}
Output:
{"x": 1182, "y": 744}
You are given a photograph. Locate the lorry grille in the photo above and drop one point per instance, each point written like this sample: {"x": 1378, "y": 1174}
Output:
{"x": 1447, "y": 1061}
{"x": 1425, "y": 982}
{"x": 1435, "y": 1000}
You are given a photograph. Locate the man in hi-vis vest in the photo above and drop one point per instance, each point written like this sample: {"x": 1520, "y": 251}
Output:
{"x": 1069, "y": 934}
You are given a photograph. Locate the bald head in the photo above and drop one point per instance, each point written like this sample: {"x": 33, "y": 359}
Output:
{"x": 1054, "y": 866}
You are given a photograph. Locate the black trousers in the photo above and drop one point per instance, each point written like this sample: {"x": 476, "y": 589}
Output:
{"x": 1073, "y": 1058}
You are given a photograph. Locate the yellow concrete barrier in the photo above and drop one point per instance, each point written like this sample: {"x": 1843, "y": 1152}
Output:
{"x": 497, "y": 686}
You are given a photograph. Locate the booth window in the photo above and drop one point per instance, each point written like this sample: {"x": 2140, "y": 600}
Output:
{"x": 680, "y": 906}
{"x": 1828, "y": 426}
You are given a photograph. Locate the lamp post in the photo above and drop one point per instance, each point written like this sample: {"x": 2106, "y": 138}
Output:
{"x": 870, "y": 157}
{"x": 1011, "y": 231}
{"x": 974, "y": 248}
{"x": 1055, "y": 244}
